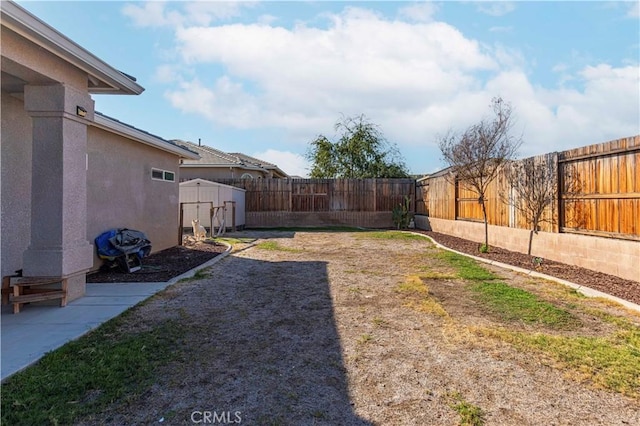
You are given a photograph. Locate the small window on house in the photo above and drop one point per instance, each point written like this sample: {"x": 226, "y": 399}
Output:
{"x": 246, "y": 176}
{"x": 165, "y": 175}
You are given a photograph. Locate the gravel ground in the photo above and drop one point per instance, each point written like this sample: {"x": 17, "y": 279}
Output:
{"x": 317, "y": 330}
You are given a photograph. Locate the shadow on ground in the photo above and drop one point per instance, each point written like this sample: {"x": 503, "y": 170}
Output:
{"x": 260, "y": 346}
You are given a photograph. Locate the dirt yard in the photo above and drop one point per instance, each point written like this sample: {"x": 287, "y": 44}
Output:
{"x": 304, "y": 328}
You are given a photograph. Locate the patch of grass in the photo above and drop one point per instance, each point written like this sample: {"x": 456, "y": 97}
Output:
{"x": 199, "y": 275}
{"x": 85, "y": 375}
{"x": 611, "y": 362}
{"x": 393, "y": 235}
{"x": 470, "y": 415}
{"x": 274, "y": 246}
{"x": 234, "y": 240}
{"x": 413, "y": 284}
{"x": 514, "y": 304}
{"x": 428, "y": 306}
{"x": 465, "y": 267}
{"x": 379, "y": 322}
{"x": 436, "y": 275}
{"x": 365, "y": 338}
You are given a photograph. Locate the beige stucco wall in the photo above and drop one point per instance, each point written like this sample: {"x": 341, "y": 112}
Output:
{"x": 612, "y": 256}
{"x": 121, "y": 193}
{"x": 15, "y": 154}
{"x": 213, "y": 173}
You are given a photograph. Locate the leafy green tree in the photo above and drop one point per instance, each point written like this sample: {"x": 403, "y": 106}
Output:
{"x": 360, "y": 152}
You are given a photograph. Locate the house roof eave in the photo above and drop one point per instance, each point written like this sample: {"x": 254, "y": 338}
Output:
{"x": 103, "y": 78}
{"x": 114, "y": 126}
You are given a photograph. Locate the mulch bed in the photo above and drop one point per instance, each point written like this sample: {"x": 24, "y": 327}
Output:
{"x": 610, "y": 284}
{"x": 163, "y": 265}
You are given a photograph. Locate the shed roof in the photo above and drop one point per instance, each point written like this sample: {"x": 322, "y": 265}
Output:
{"x": 205, "y": 182}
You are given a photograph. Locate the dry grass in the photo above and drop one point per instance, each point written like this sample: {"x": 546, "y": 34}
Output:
{"x": 339, "y": 328}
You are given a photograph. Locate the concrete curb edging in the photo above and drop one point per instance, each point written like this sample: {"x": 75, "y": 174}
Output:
{"x": 582, "y": 289}
{"x": 190, "y": 273}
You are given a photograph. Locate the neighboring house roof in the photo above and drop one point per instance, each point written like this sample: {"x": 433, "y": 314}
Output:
{"x": 211, "y": 157}
{"x": 102, "y": 78}
{"x": 115, "y": 126}
{"x": 269, "y": 166}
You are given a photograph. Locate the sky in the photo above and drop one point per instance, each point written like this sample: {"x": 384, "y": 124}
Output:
{"x": 268, "y": 77}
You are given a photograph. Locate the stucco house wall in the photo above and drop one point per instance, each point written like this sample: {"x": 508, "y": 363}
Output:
{"x": 15, "y": 152}
{"x": 69, "y": 173}
{"x": 122, "y": 194}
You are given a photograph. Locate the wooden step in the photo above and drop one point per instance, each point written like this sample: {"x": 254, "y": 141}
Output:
{"x": 39, "y": 296}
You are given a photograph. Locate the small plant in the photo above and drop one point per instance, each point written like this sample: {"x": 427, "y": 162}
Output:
{"x": 401, "y": 215}
{"x": 470, "y": 415}
{"x": 365, "y": 338}
{"x": 537, "y": 262}
{"x": 379, "y": 322}
{"x": 484, "y": 248}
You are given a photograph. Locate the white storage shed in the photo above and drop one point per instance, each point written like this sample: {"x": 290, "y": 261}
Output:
{"x": 197, "y": 196}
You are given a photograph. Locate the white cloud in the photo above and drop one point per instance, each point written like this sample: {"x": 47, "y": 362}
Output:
{"x": 289, "y": 162}
{"x": 634, "y": 10}
{"x": 361, "y": 63}
{"x": 152, "y": 13}
{"x": 420, "y": 12}
{"x": 496, "y": 8}
{"x": 415, "y": 78}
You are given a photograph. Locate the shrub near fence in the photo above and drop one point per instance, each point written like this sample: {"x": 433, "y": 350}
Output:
{"x": 318, "y": 202}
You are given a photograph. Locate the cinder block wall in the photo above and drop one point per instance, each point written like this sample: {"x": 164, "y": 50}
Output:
{"x": 339, "y": 218}
{"x": 611, "y": 256}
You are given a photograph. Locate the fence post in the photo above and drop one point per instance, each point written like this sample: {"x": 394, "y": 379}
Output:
{"x": 290, "y": 195}
{"x": 375, "y": 194}
{"x": 180, "y": 227}
{"x": 560, "y": 187}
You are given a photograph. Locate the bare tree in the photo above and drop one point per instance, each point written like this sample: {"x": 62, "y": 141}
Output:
{"x": 534, "y": 188}
{"x": 476, "y": 156}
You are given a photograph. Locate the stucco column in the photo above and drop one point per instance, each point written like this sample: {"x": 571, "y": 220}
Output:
{"x": 59, "y": 245}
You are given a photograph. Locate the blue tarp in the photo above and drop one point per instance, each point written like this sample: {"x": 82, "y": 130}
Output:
{"x": 118, "y": 242}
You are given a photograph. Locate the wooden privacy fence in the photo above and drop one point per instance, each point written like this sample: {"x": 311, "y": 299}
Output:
{"x": 598, "y": 193}
{"x": 323, "y": 195}
{"x": 322, "y": 202}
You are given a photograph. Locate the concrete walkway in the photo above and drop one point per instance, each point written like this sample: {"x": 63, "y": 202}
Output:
{"x": 40, "y": 328}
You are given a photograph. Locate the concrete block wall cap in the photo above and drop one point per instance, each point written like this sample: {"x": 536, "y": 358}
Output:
{"x": 582, "y": 289}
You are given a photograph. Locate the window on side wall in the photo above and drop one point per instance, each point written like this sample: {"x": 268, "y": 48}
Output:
{"x": 246, "y": 176}
{"x": 164, "y": 175}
